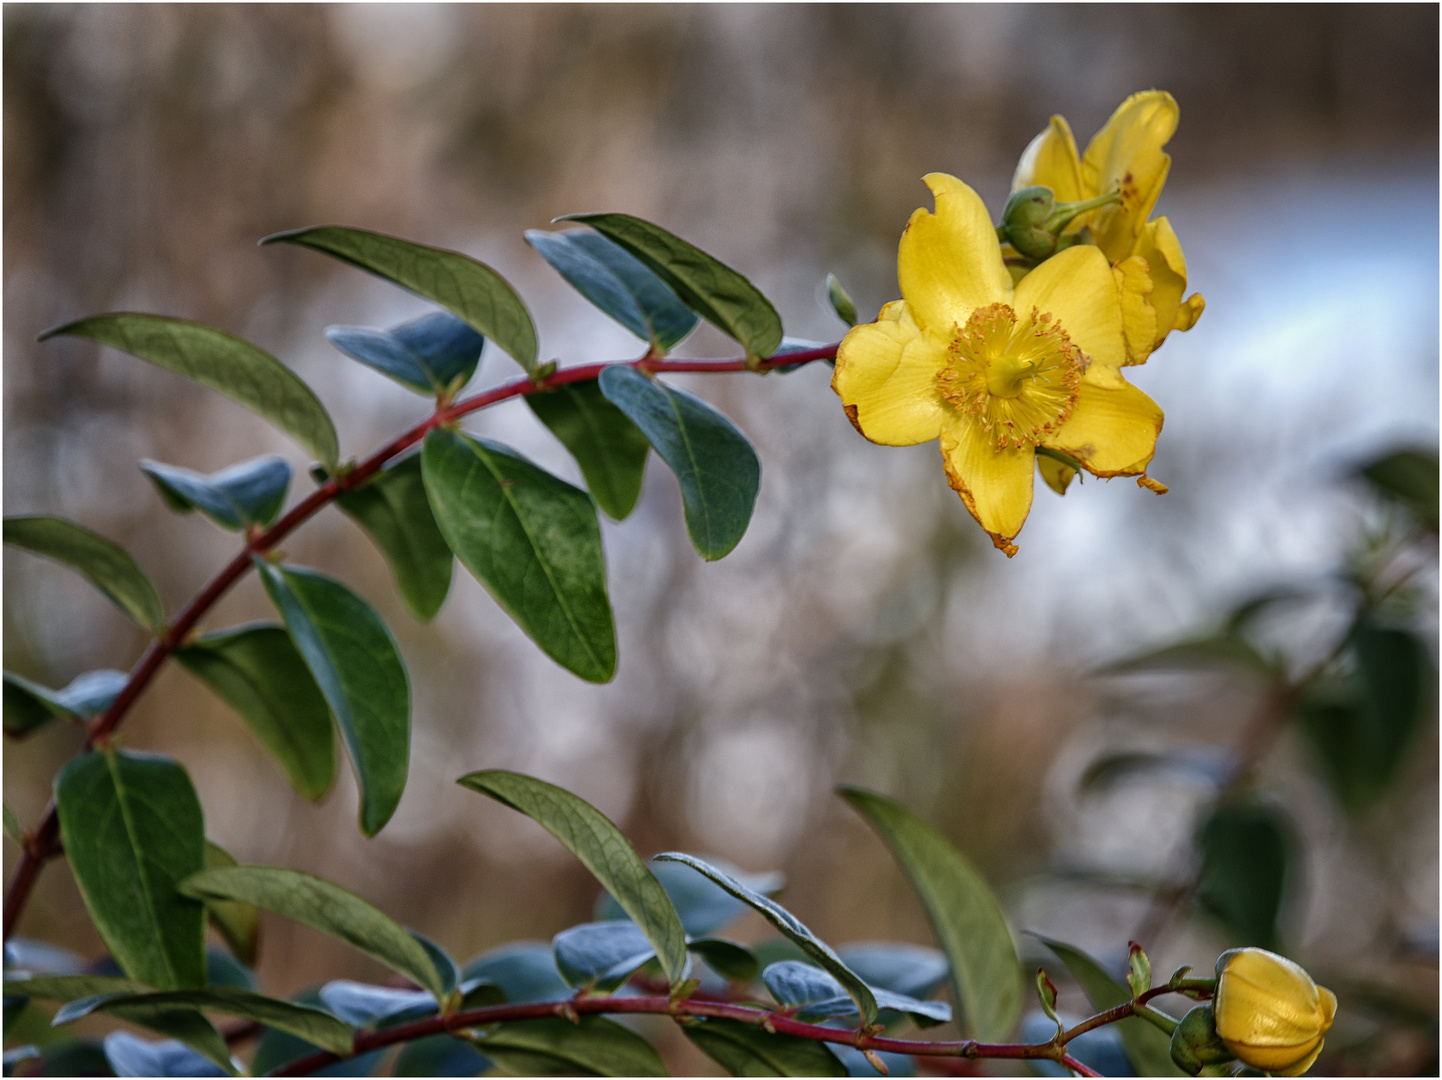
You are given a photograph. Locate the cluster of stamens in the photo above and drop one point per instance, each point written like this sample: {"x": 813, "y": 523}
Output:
{"x": 1018, "y": 377}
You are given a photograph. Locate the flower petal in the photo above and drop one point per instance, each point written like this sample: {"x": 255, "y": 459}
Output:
{"x": 950, "y": 262}
{"x": 1076, "y": 288}
{"x": 1111, "y": 432}
{"x": 1127, "y": 152}
{"x": 995, "y": 485}
{"x": 886, "y": 377}
{"x": 1167, "y": 267}
{"x": 1139, "y": 318}
{"x": 1190, "y": 311}
{"x": 1057, "y": 475}
{"x": 1051, "y": 159}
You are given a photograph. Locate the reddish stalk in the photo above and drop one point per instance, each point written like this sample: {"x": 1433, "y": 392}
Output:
{"x": 43, "y": 843}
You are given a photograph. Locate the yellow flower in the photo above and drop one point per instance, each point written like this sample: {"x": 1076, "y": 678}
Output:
{"x": 1126, "y": 156}
{"x": 996, "y": 371}
{"x": 1270, "y": 1013}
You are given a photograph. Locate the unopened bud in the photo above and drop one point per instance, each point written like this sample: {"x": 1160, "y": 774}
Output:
{"x": 1196, "y": 1044}
{"x": 1269, "y": 1012}
{"x": 1032, "y": 220}
{"x": 1139, "y": 975}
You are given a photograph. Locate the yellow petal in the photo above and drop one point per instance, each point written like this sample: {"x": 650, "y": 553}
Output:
{"x": 886, "y": 377}
{"x": 950, "y": 262}
{"x": 1127, "y": 152}
{"x": 1111, "y": 432}
{"x": 1051, "y": 160}
{"x": 1077, "y": 289}
{"x": 1306, "y": 1063}
{"x": 1167, "y": 267}
{"x": 1190, "y": 311}
{"x": 1057, "y": 475}
{"x": 1139, "y": 317}
{"x": 995, "y": 485}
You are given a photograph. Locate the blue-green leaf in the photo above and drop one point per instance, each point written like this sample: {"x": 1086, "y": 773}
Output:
{"x": 393, "y": 508}
{"x": 817, "y": 995}
{"x": 595, "y": 840}
{"x": 325, "y": 907}
{"x": 440, "y": 1055}
{"x": 792, "y": 928}
{"x": 532, "y": 540}
{"x": 433, "y": 354}
{"x": 726, "y": 958}
{"x": 708, "y": 286}
{"x": 986, "y": 975}
{"x": 703, "y": 905}
{"x": 618, "y": 283}
{"x": 29, "y": 705}
{"x": 359, "y": 670}
{"x": 524, "y": 970}
{"x": 744, "y": 1050}
{"x": 716, "y": 467}
{"x": 602, "y": 955}
{"x": 130, "y": 1055}
{"x": 259, "y": 672}
{"x": 610, "y": 450}
{"x": 108, "y": 566}
{"x": 239, "y": 370}
{"x": 250, "y": 493}
{"x": 132, "y": 829}
{"x": 592, "y": 1046}
{"x": 913, "y": 970}
{"x": 468, "y": 289}
{"x": 362, "y": 1005}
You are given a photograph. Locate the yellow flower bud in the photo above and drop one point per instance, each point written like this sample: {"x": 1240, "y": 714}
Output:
{"x": 1269, "y": 1012}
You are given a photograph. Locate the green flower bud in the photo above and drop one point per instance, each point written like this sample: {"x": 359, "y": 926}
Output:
{"x": 1196, "y": 1044}
{"x": 1023, "y": 222}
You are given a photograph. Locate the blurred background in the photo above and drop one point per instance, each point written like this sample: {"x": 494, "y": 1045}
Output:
{"x": 865, "y": 630}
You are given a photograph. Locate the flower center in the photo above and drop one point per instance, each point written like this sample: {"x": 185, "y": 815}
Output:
{"x": 1017, "y": 376}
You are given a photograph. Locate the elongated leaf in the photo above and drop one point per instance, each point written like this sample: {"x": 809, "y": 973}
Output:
{"x": 524, "y": 970}
{"x": 1409, "y": 477}
{"x": 28, "y": 705}
{"x": 718, "y": 471}
{"x": 108, "y": 566}
{"x": 601, "y": 954}
{"x": 258, "y": 671}
{"x": 447, "y": 971}
{"x": 532, "y": 540}
{"x": 239, "y": 370}
{"x": 73, "y": 987}
{"x": 313, "y": 1025}
{"x": 1246, "y": 851}
{"x": 726, "y": 958}
{"x": 1218, "y": 651}
{"x": 618, "y": 283}
{"x": 592, "y": 838}
{"x": 392, "y": 507}
{"x": 194, "y": 1043}
{"x": 610, "y": 450}
{"x": 709, "y": 287}
{"x": 593, "y": 1047}
{"x": 986, "y": 976}
{"x": 250, "y": 493}
{"x": 434, "y": 354}
{"x": 468, "y": 289}
{"x": 1148, "y": 1047}
{"x": 792, "y": 928}
{"x": 362, "y": 1005}
{"x": 816, "y": 995}
{"x": 703, "y": 905}
{"x": 324, "y": 907}
{"x": 132, "y": 829}
{"x": 237, "y": 922}
{"x": 913, "y": 970}
{"x": 744, "y": 1050}
{"x": 359, "y": 670}
{"x": 277, "y": 1048}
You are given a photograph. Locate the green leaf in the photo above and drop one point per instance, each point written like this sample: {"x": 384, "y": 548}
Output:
{"x": 440, "y": 1055}
{"x": 432, "y": 355}
{"x": 248, "y": 494}
{"x": 324, "y": 907}
{"x": 132, "y": 830}
{"x": 313, "y": 1025}
{"x": 1363, "y": 728}
{"x": 1226, "y": 651}
{"x": 257, "y": 670}
{"x": 1246, "y": 853}
{"x": 237, "y": 922}
{"x": 392, "y": 507}
{"x": 703, "y": 905}
{"x": 468, "y": 289}
{"x": 182, "y": 1024}
{"x": 108, "y": 566}
{"x": 1148, "y": 1047}
{"x": 610, "y": 450}
{"x": 709, "y": 287}
{"x": 716, "y": 467}
{"x": 618, "y": 283}
{"x": 601, "y": 954}
{"x": 594, "y": 1046}
{"x": 235, "y": 368}
{"x": 841, "y": 301}
{"x": 792, "y": 927}
{"x": 744, "y": 1050}
{"x": 986, "y": 977}
{"x": 592, "y": 838}
{"x": 28, "y": 705}
{"x": 532, "y": 540}
{"x": 726, "y": 958}
{"x": 67, "y": 988}
{"x": 1408, "y": 477}
{"x": 360, "y": 672}
{"x": 124, "y": 1054}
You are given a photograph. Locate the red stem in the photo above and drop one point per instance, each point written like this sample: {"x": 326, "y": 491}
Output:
{"x": 44, "y": 842}
{"x": 437, "y": 1025}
